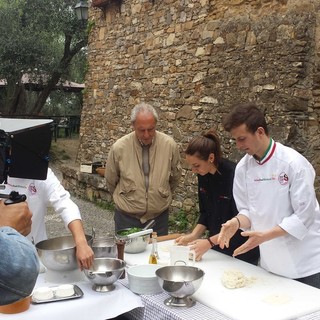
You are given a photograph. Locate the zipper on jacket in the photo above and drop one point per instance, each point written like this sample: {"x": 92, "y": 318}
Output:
{"x": 146, "y": 201}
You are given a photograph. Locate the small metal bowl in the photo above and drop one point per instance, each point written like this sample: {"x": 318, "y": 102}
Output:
{"x": 180, "y": 282}
{"x": 134, "y": 245}
{"x": 59, "y": 254}
{"x": 104, "y": 247}
{"x": 104, "y": 273}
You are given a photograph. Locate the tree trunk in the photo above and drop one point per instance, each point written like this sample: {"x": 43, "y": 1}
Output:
{"x": 18, "y": 102}
{"x": 45, "y": 93}
{"x": 56, "y": 76}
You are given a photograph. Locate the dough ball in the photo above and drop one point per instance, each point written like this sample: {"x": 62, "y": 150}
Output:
{"x": 233, "y": 279}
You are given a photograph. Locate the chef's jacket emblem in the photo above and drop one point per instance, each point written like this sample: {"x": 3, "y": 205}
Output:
{"x": 32, "y": 188}
{"x": 283, "y": 178}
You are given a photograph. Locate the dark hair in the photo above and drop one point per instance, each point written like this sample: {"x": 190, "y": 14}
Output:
{"x": 248, "y": 114}
{"x": 205, "y": 144}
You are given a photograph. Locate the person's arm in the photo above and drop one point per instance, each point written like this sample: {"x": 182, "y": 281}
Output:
{"x": 303, "y": 199}
{"x": 60, "y": 200}
{"x": 112, "y": 171}
{"x": 17, "y": 216}
{"x": 256, "y": 238}
{"x": 199, "y": 246}
{"x": 195, "y": 234}
{"x": 83, "y": 250}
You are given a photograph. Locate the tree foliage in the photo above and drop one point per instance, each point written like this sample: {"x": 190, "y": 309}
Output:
{"x": 39, "y": 38}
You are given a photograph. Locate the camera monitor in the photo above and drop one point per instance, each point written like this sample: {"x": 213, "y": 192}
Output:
{"x": 24, "y": 148}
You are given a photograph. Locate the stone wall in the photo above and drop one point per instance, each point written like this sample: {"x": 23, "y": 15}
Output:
{"x": 194, "y": 59}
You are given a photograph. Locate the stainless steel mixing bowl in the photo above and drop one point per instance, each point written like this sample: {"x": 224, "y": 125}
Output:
{"x": 59, "y": 254}
{"x": 104, "y": 273}
{"x": 180, "y": 282}
{"x": 134, "y": 245}
{"x": 104, "y": 247}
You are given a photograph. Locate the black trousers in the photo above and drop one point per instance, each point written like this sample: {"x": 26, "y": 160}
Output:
{"x": 313, "y": 280}
{"x": 124, "y": 220}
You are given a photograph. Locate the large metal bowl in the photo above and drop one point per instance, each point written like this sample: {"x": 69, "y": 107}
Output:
{"x": 104, "y": 273}
{"x": 59, "y": 254}
{"x": 134, "y": 245}
{"x": 180, "y": 282}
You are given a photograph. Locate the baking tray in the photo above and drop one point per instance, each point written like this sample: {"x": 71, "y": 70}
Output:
{"x": 78, "y": 293}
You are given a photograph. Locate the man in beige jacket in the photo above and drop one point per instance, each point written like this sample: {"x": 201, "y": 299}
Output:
{"x": 142, "y": 171}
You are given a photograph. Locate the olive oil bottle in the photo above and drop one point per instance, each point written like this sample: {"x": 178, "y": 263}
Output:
{"x": 153, "y": 258}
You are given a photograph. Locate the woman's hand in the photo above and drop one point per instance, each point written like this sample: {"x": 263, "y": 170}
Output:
{"x": 185, "y": 239}
{"x": 200, "y": 247}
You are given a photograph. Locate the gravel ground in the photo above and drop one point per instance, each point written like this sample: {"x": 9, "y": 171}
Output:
{"x": 92, "y": 215}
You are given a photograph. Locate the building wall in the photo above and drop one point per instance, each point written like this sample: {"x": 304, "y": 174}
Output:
{"x": 193, "y": 60}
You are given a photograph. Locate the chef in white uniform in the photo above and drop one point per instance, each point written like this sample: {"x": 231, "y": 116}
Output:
{"x": 43, "y": 193}
{"x": 275, "y": 196}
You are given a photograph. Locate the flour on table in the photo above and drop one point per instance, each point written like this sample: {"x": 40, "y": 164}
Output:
{"x": 233, "y": 279}
{"x": 276, "y": 299}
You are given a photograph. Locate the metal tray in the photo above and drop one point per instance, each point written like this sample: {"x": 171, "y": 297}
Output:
{"x": 78, "y": 293}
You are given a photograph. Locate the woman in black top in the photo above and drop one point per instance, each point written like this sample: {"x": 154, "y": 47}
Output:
{"x": 216, "y": 203}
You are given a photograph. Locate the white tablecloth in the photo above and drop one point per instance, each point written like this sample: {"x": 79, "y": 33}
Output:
{"x": 100, "y": 306}
{"x": 214, "y": 301}
{"x": 92, "y": 306}
{"x": 155, "y": 309}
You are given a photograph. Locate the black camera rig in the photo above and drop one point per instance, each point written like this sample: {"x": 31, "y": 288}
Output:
{"x": 24, "y": 152}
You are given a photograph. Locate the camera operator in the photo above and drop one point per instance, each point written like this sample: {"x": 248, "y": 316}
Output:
{"x": 19, "y": 265}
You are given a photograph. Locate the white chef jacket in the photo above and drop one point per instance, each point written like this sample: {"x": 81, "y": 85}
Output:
{"x": 279, "y": 190}
{"x": 41, "y": 194}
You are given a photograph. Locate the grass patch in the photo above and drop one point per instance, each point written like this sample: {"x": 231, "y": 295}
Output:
{"x": 57, "y": 154}
{"x": 106, "y": 205}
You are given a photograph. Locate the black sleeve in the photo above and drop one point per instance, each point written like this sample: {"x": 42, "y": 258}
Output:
{"x": 203, "y": 214}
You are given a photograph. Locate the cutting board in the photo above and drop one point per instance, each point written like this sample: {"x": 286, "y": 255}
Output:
{"x": 267, "y": 297}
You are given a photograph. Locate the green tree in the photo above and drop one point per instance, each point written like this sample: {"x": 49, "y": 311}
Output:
{"x": 38, "y": 38}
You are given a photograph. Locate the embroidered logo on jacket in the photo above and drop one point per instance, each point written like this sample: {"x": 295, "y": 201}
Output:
{"x": 32, "y": 188}
{"x": 283, "y": 178}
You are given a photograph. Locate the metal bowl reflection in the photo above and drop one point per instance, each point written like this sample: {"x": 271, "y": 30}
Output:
{"x": 104, "y": 247}
{"x": 180, "y": 282}
{"x": 59, "y": 254}
{"x": 104, "y": 273}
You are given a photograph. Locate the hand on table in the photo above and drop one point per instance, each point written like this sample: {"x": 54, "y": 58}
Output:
{"x": 184, "y": 239}
{"x": 200, "y": 247}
